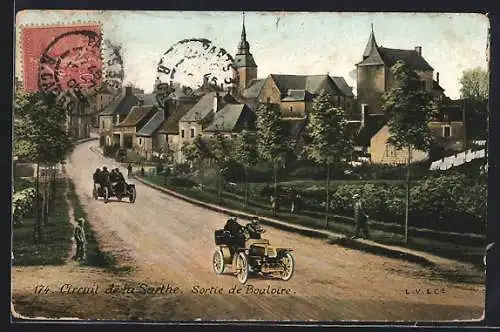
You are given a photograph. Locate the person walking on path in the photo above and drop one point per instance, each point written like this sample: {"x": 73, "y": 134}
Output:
{"x": 360, "y": 217}
{"x": 80, "y": 240}
{"x": 129, "y": 170}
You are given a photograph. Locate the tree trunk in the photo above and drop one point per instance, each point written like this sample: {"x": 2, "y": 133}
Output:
{"x": 407, "y": 210}
{"x": 38, "y": 225}
{"x": 275, "y": 210}
{"x": 327, "y": 201}
{"x": 218, "y": 186}
{"x": 246, "y": 186}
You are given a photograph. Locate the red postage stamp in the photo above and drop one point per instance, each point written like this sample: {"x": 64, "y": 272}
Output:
{"x": 60, "y": 58}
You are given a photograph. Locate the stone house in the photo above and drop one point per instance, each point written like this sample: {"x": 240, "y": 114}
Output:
{"x": 374, "y": 76}
{"x": 199, "y": 117}
{"x": 126, "y": 130}
{"x": 116, "y": 112}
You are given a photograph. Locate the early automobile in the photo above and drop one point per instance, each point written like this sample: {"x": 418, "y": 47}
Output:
{"x": 106, "y": 192}
{"x": 247, "y": 253}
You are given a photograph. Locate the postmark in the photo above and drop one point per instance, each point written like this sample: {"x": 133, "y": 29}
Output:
{"x": 191, "y": 62}
{"x": 73, "y": 65}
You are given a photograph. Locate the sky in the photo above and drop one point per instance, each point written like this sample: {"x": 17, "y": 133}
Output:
{"x": 285, "y": 43}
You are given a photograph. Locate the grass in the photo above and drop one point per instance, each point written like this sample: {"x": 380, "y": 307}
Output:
{"x": 467, "y": 253}
{"x": 56, "y": 236}
{"x": 95, "y": 257}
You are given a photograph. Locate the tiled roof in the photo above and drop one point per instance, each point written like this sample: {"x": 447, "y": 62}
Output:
{"x": 171, "y": 125}
{"x": 373, "y": 123}
{"x": 254, "y": 89}
{"x": 125, "y": 105}
{"x": 414, "y": 60}
{"x": 111, "y": 107}
{"x": 436, "y": 86}
{"x": 136, "y": 114}
{"x": 152, "y": 125}
{"x": 205, "y": 105}
{"x": 148, "y": 98}
{"x": 231, "y": 118}
{"x": 310, "y": 83}
{"x": 342, "y": 85}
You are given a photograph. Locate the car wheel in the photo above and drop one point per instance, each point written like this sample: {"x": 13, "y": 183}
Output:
{"x": 218, "y": 262}
{"x": 106, "y": 194}
{"x": 133, "y": 195}
{"x": 242, "y": 268}
{"x": 288, "y": 264}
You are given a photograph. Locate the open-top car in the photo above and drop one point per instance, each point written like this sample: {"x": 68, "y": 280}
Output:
{"x": 247, "y": 253}
{"x": 114, "y": 190}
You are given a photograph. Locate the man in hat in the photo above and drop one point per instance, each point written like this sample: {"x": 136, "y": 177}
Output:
{"x": 360, "y": 217}
{"x": 80, "y": 240}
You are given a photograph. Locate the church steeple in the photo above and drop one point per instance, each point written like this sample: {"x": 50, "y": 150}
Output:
{"x": 244, "y": 46}
{"x": 370, "y": 46}
{"x": 243, "y": 61}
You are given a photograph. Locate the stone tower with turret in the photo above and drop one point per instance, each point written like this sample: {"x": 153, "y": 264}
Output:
{"x": 244, "y": 63}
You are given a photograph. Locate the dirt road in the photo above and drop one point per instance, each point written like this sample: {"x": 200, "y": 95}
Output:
{"x": 169, "y": 242}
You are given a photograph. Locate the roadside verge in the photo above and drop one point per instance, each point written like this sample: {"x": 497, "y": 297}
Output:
{"x": 334, "y": 238}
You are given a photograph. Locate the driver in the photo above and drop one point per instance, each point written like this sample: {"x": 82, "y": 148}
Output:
{"x": 105, "y": 177}
{"x": 233, "y": 227}
{"x": 121, "y": 180}
{"x": 254, "y": 229}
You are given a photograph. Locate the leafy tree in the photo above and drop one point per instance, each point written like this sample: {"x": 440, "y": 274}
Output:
{"x": 221, "y": 154}
{"x": 474, "y": 90}
{"x": 246, "y": 154}
{"x": 40, "y": 136}
{"x": 409, "y": 108}
{"x": 330, "y": 144}
{"x": 196, "y": 153}
{"x": 271, "y": 143}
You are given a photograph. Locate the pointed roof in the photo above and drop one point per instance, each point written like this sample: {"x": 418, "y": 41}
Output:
{"x": 136, "y": 115}
{"x": 370, "y": 46}
{"x": 243, "y": 56}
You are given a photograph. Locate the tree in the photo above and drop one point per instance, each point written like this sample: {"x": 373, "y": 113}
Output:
{"x": 40, "y": 136}
{"x": 221, "y": 154}
{"x": 246, "y": 154}
{"x": 271, "y": 144}
{"x": 410, "y": 108}
{"x": 330, "y": 144}
{"x": 196, "y": 153}
{"x": 474, "y": 90}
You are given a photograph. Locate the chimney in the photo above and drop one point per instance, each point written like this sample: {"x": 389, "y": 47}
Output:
{"x": 418, "y": 49}
{"x": 128, "y": 91}
{"x": 363, "y": 114}
{"x": 216, "y": 102}
{"x": 437, "y": 78}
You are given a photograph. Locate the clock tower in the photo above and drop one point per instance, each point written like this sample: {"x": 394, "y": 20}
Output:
{"x": 244, "y": 63}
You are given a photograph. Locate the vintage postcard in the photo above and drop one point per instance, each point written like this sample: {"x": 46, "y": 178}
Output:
{"x": 249, "y": 166}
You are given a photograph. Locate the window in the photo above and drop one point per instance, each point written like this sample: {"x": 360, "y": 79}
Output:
{"x": 140, "y": 141}
{"x": 291, "y": 108}
{"x": 192, "y": 132}
{"x": 117, "y": 119}
{"x": 103, "y": 127}
{"x": 268, "y": 100}
{"x": 182, "y": 133}
{"x": 446, "y": 131}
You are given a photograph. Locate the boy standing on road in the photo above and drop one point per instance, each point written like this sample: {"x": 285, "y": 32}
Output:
{"x": 80, "y": 240}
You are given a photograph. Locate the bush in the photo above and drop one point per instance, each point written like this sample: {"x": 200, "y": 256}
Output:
{"x": 181, "y": 182}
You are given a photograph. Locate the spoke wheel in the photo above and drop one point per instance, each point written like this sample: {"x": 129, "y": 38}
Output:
{"x": 218, "y": 262}
{"x": 242, "y": 268}
{"x": 288, "y": 264}
{"x": 133, "y": 195}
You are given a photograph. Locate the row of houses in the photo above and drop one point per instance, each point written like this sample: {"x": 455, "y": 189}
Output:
{"x": 136, "y": 121}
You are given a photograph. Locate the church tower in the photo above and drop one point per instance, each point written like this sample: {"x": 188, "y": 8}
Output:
{"x": 244, "y": 63}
